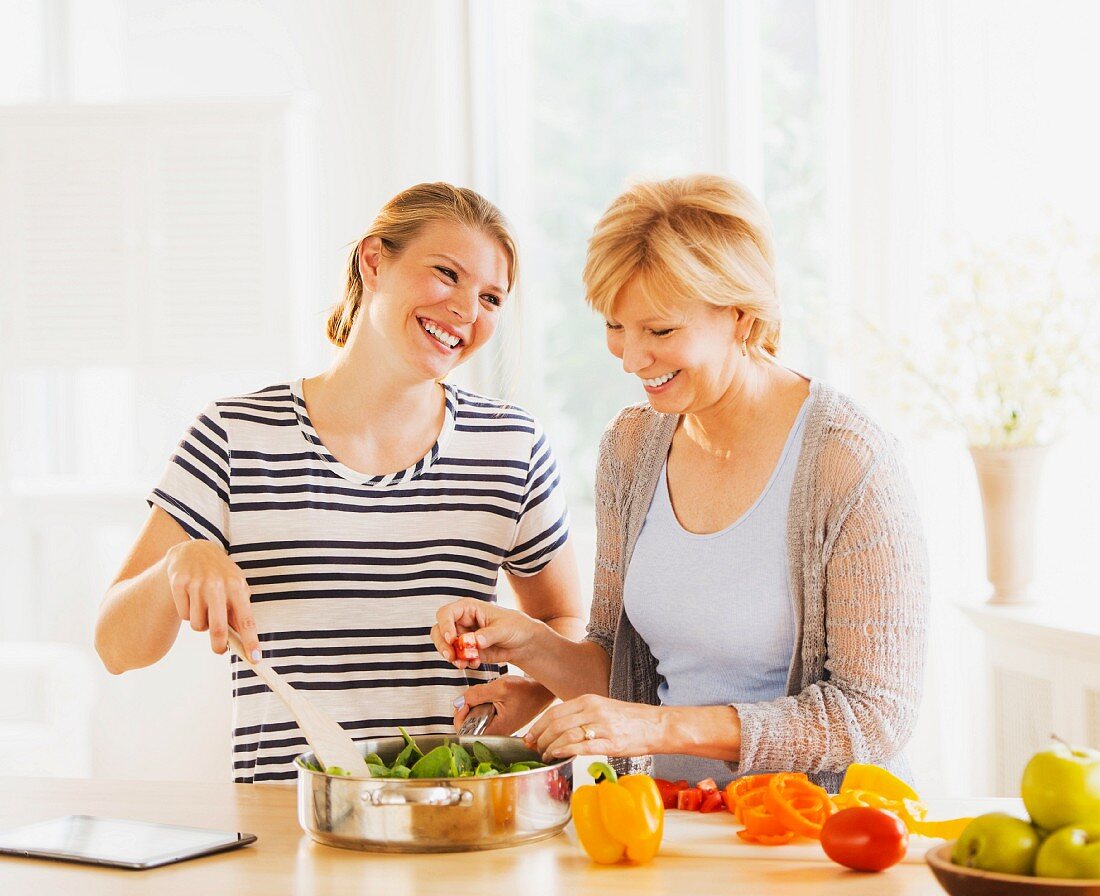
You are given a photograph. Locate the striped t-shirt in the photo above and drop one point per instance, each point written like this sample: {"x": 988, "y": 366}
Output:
{"x": 347, "y": 570}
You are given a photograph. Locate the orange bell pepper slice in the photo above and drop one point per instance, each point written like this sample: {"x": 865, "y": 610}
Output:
{"x": 738, "y": 787}
{"x": 767, "y": 839}
{"x": 801, "y": 805}
{"x": 751, "y": 801}
{"x": 758, "y": 818}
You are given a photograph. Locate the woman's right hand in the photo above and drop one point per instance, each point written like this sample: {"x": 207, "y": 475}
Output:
{"x": 502, "y": 634}
{"x": 210, "y": 591}
{"x": 517, "y": 698}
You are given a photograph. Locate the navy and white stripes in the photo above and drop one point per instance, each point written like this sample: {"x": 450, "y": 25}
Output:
{"x": 347, "y": 569}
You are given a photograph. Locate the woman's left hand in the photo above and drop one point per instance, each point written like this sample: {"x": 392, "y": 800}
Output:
{"x": 617, "y": 728}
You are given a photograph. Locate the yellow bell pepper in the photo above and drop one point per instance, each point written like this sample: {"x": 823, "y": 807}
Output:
{"x": 878, "y": 780}
{"x": 870, "y": 785}
{"x": 618, "y": 818}
{"x": 846, "y": 799}
{"x": 948, "y": 829}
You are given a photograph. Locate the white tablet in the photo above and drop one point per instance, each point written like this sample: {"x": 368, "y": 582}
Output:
{"x": 116, "y": 842}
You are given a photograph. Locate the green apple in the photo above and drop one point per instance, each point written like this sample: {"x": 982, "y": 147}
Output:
{"x": 1072, "y": 851}
{"x": 1061, "y": 785}
{"x": 997, "y": 842}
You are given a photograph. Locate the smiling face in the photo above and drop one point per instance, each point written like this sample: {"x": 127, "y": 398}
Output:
{"x": 687, "y": 355}
{"x": 432, "y": 306}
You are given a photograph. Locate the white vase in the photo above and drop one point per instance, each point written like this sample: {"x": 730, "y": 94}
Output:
{"x": 1009, "y": 483}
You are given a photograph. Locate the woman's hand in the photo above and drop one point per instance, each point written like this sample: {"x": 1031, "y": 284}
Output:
{"x": 518, "y": 699}
{"x": 210, "y": 591}
{"x": 618, "y": 728}
{"x": 502, "y": 634}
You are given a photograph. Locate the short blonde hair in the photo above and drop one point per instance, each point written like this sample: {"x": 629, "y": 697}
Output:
{"x": 402, "y": 219}
{"x": 703, "y": 237}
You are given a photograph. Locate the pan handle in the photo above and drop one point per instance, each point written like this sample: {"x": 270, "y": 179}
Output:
{"x": 396, "y": 795}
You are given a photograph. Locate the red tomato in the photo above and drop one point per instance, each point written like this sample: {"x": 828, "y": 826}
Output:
{"x": 712, "y": 802}
{"x": 865, "y": 839}
{"x": 689, "y": 799}
{"x": 669, "y": 790}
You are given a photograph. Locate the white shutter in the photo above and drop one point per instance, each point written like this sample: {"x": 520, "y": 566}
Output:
{"x": 144, "y": 236}
{"x": 64, "y": 196}
{"x": 218, "y": 259}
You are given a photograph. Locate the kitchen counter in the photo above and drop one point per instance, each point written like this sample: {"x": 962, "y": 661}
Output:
{"x": 285, "y": 860}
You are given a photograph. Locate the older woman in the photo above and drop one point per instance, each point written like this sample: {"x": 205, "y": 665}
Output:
{"x": 761, "y": 585}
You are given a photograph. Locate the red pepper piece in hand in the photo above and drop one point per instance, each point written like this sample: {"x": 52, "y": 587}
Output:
{"x": 466, "y": 647}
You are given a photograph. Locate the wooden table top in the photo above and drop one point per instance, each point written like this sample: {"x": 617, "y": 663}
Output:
{"x": 285, "y": 860}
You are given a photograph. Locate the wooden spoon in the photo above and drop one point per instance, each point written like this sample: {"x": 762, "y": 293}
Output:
{"x": 331, "y": 744}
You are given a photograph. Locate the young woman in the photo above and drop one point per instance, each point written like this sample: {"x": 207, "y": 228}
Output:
{"x": 761, "y": 591}
{"x": 327, "y": 519}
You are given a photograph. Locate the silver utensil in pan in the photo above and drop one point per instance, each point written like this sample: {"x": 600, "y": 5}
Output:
{"x": 479, "y": 717}
{"x": 478, "y": 720}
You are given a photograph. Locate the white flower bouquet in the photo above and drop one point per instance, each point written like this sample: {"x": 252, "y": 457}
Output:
{"x": 1009, "y": 340}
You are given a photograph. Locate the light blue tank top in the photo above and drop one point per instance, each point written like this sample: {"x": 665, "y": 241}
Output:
{"x": 716, "y": 610}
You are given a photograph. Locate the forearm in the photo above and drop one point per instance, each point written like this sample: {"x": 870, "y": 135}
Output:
{"x": 713, "y": 732}
{"x": 570, "y": 628}
{"x": 137, "y": 622}
{"x": 567, "y": 667}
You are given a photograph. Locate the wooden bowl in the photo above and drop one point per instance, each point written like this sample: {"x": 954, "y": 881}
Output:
{"x": 960, "y": 881}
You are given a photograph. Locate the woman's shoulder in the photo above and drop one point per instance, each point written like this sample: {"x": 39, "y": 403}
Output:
{"x": 631, "y": 428}
{"x": 842, "y": 416}
{"x": 633, "y": 445}
{"x": 844, "y": 436}
{"x": 473, "y": 405}
{"x": 269, "y": 404}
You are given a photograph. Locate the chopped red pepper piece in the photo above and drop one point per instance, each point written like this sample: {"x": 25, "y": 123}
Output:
{"x": 712, "y": 801}
{"x": 690, "y": 799}
{"x": 669, "y": 790}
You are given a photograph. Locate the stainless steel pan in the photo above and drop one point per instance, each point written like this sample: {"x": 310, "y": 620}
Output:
{"x": 436, "y": 814}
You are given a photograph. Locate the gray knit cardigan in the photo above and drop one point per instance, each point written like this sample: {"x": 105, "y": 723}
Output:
{"x": 859, "y": 578}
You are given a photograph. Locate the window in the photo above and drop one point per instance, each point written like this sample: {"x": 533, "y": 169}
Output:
{"x": 682, "y": 87}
